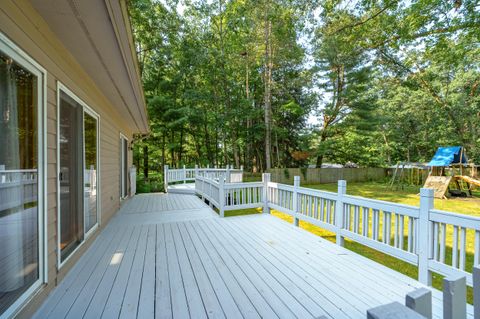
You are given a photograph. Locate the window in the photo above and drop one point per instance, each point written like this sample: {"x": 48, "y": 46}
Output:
{"x": 78, "y": 172}
{"x": 123, "y": 166}
{"x": 21, "y": 177}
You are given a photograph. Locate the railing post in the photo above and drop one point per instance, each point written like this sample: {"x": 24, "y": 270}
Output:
{"x": 265, "y": 180}
{"x": 424, "y": 236}
{"x": 455, "y": 297}
{"x": 296, "y": 185}
{"x": 184, "y": 174}
{"x": 420, "y": 301}
{"x": 227, "y": 176}
{"x": 196, "y": 171}
{"x": 476, "y": 291}
{"x": 221, "y": 197}
{"x": 165, "y": 178}
{"x": 341, "y": 191}
{"x": 3, "y": 178}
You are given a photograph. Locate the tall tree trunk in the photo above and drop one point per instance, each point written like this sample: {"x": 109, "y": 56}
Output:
{"x": 323, "y": 138}
{"x": 210, "y": 154}
{"x": 248, "y": 146}
{"x": 145, "y": 163}
{"x": 164, "y": 154}
{"x": 172, "y": 150}
{"x": 180, "y": 151}
{"x": 277, "y": 150}
{"x": 268, "y": 93}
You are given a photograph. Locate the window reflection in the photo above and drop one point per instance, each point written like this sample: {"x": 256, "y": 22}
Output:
{"x": 19, "y": 256}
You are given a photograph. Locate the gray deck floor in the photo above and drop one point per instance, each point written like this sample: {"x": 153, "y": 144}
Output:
{"x": 165, "y": 256}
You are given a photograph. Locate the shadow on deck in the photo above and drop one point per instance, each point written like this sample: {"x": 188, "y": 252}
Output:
{"x": 171, "y": 256}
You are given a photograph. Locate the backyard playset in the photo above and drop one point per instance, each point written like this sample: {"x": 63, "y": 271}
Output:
{"x": 451, "y": 174}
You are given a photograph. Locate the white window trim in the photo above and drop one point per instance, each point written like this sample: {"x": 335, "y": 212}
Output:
{"x": 96, "y": 116}
{"x": 122, "y": 136}
{"x": 86, "y": 235}
{"x": 13, "y": 51}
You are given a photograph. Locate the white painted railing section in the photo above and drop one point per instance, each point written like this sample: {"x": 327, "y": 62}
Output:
{"x": 417, "y": 235}
{"x": 185, "y": 175}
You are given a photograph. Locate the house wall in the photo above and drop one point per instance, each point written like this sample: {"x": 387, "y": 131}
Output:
{"x": 27, "y": 29}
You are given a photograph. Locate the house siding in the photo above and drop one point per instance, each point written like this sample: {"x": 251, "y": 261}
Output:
{"x": 26, "y": 28}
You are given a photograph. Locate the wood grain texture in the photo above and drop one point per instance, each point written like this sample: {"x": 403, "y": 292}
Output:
{"x": 178, "y": 259}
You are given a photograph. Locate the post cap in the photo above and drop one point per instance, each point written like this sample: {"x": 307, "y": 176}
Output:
{"x": 427, "y": 192}
{"x": 342, "y": 183}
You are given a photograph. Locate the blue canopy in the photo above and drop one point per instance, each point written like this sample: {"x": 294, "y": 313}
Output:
{"x": 446, "y": 156}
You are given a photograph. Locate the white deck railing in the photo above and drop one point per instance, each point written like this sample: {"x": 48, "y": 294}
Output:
{"x": 417, "y": 235}
{"x": 17, "y": 187}
{"x": 185, "y": 175}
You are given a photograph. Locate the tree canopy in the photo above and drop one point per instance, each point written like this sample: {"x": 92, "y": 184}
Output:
{"x": 281, "y": 83}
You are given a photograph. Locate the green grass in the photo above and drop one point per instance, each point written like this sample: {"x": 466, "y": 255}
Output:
{"x": 407, "y": 195}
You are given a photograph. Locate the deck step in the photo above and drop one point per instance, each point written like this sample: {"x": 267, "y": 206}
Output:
{"x": 178, "y": 189}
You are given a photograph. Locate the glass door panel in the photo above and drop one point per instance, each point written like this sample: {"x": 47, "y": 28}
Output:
{"x": 19, "y": 206}
{"x": 70, "y": 175}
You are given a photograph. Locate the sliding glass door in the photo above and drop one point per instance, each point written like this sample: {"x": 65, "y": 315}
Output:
{"x": 78, "y": 160}
{"x": 70, "y": 175}
{"x": 21, "y": 177}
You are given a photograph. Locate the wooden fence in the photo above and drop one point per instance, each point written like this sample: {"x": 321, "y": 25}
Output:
{"x": 327, "y": 175}
{"x": 417, "y": 235}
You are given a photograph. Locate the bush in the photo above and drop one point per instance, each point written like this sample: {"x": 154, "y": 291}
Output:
{"x": 153, "y": 184}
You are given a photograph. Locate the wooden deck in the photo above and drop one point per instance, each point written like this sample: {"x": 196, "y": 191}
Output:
{"x": 170, "y": 256}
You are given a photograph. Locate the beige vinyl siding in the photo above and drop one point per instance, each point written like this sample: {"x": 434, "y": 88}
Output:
{"x": 27, "y": 29}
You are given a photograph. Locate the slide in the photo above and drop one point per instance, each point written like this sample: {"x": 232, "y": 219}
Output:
{"x": 469, "y": 180}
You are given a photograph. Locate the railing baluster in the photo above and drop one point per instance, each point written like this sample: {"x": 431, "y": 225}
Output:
{"x": 384, "y": 226}
{"x": 410, "y": 236}
{"x": 365, "y": 221}
{"x": 443, "y": 233}
{"x": 329, "y": 211}
{"x": 375, "y": 224}
{"x": 463, "y": 241}
{"x": 388, "y": 226}
{"x": 455, "y": 247}
{"x": 476, "y": 258}
{"x": 307, "y": 206}
{"x": 323, "y": 214}
{"x": 401, "y": 231}
{"x": 396, "y": 230}
{"x": 435, "y": 241}
{"x": 356, "y": 219}
{"x": 349, "y": 217}
{"x": 312, "y": 206}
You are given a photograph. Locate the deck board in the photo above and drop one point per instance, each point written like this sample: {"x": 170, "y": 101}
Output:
{"x": 171, "y": 256}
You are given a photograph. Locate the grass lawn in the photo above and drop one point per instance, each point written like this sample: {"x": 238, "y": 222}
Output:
{"x": 381, "y": 191}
